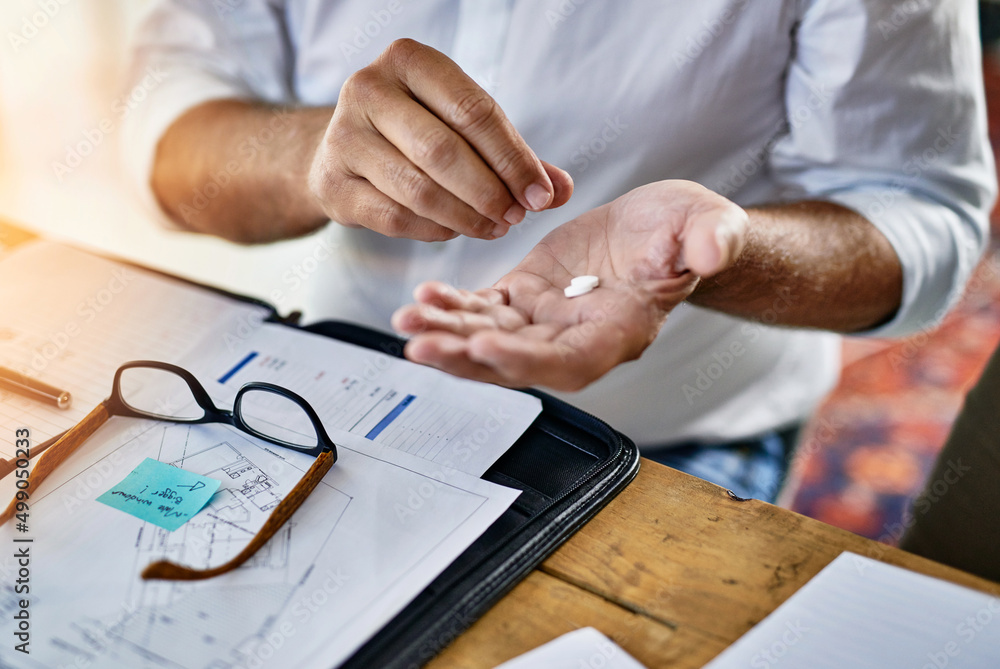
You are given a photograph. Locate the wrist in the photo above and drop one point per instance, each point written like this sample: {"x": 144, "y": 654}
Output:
{"x": 304, "y": 142}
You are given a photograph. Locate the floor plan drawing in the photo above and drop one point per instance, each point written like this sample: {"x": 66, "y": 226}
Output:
{"x": 371, "y": 536}
{"x": 254, "y": 479}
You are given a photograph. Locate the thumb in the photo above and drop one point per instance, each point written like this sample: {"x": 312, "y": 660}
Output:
{"x": 714, "y": 240}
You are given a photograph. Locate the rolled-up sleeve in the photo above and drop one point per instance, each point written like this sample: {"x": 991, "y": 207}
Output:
{"x": 887, "y": 117}
{"x": 187, "y": 52}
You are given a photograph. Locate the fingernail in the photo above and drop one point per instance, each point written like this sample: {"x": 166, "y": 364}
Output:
{"x": 499, "y": 230}
{"x": 537, "y": 196}
{"x": 515, "y": 214}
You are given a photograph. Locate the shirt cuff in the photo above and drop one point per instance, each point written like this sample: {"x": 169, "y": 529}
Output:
{"x": 938, "y": 249}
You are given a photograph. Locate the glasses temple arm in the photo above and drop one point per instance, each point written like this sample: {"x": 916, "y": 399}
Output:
{"x": 60, "y": 450}
{"x": 170, "y": 571}
{"x": 8, "y": 466}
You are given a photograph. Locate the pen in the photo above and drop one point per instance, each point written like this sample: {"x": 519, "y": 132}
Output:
{"x": 24, "y": 385}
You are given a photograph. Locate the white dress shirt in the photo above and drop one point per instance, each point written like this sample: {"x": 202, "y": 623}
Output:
{"x": 877, "y": 106}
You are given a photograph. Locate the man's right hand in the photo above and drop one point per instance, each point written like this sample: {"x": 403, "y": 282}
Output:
{"x": 417, "y": 149}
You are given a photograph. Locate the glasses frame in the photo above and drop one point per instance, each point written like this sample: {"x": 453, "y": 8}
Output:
{"x": 119, "y": 407}
{"x": 67, "y": 443}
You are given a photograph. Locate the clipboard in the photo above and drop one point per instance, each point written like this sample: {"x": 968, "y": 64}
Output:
{"x": 568, "y": 465}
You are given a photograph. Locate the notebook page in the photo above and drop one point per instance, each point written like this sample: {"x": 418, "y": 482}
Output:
{"x": 861, "y": 613}
{"x": 70, "y": 319}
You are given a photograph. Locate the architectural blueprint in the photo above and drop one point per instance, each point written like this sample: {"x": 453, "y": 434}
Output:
{"x": 379, "y": 527}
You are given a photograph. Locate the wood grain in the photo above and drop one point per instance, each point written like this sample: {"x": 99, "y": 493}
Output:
{"x": 517, "y": 624}
{"x": 71, "y": 440}
{"x": 8, "y": 466}
{"x": 674, "y": 570}
{"x": 679, "y": 560}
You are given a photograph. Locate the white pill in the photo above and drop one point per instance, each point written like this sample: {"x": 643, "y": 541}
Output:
{"x": 576, "y": 291}
{"x": 589, "y": 281}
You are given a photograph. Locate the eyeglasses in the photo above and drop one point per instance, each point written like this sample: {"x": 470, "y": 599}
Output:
{"x": 161, "y": 391}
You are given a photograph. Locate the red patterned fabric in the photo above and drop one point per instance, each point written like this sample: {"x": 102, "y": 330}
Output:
{"x": 866, "y": 453}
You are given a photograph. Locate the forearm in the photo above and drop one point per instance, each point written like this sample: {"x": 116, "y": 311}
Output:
{"x": 809, "y": 264}
{"x": 240, "y": 170}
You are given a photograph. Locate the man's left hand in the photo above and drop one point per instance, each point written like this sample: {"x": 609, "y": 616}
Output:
{"x": 649, "y": 248}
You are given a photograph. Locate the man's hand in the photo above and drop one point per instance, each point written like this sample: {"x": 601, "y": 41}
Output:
{"x": 414, "y": 148}
{"x": 417, "y": 149}
{"x": 649, "y": 248}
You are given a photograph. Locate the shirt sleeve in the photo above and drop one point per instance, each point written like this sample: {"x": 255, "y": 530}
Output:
{"x": 887, "y": 117}
{"x": 187, "y": 52}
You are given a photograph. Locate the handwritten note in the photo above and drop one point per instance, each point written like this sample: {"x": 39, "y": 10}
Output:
{"x": 161, "y": 494}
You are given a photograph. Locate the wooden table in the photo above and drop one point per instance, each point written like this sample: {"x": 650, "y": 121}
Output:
{"x": 674, "y": 570}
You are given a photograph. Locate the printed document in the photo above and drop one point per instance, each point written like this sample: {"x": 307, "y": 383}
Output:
{"x": 865, "y": 614}
{"x": 83, "y": 316}
{"x": 378, "y": 529}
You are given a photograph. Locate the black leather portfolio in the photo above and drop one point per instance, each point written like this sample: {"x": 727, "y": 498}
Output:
{"x": 567, "y": 465}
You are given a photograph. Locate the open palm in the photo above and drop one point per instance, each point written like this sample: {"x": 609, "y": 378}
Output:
{"x": 649, "y": 248}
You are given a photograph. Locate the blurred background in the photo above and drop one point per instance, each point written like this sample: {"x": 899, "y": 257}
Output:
{"x": 862, "y": 459}
{"x": 61, "y": 76}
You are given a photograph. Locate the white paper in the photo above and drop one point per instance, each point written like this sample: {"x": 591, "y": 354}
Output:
{"x": 861, "y": 613}
{"x": 580, "y": 649}
{"x": 70, "y": 319}
{"x": 395, "y": 510}
{"x": 451, "y": 422}
{"x": 377, "y": 530}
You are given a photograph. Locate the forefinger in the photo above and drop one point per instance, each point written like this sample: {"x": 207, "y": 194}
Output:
{"x": 444, "y": 296}
{"x": 471, "y": 112}
{"x": 571, "y": 360}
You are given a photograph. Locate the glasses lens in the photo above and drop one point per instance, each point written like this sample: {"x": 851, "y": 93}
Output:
{"x": 159, "y": 393}
{"x": 277, "y": 417}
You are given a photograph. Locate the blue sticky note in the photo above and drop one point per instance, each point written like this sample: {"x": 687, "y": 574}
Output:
{"x": 161, "y": 494}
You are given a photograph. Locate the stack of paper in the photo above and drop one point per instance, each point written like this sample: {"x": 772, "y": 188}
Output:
{"x": 584, "y": 648}
{"x": 401, "y": 503}
{"x": 865, "y": 614}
